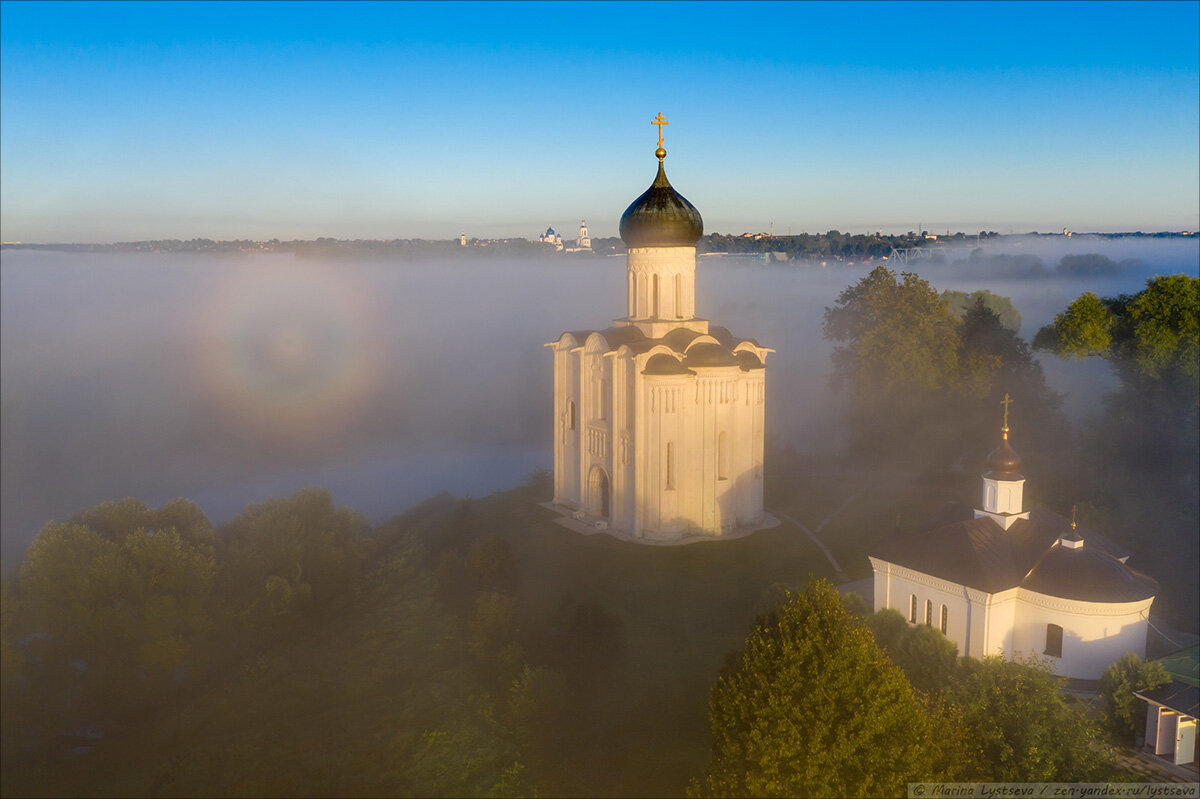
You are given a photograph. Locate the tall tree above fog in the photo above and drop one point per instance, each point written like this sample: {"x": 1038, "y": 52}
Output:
{"x": 921, "y": 382}
{"x": 899, "y": 335}
{"x": 960, "y": 302}
{"x": 1152, "y": 337}
{"x": 1139, "y": 466}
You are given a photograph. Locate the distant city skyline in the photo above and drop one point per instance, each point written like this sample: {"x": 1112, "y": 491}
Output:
{"x": 135, "y": 121}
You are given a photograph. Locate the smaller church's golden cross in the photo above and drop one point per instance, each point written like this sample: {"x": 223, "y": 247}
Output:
{"x": 1006, "y": 402}
{"x": 1073, "y": 508}
{"x": 658, "y": 120}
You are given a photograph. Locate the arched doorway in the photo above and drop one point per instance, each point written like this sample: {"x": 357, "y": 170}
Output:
{"x": 598, "y": 493}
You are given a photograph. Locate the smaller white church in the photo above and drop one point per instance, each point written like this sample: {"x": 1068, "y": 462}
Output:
{"x": 1015, "y": 582}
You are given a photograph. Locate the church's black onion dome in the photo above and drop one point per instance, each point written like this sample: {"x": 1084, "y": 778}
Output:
{"x": 1004, "y": 463}
{"x": 661, "y": 217}
{"x": 1088, "y": 575}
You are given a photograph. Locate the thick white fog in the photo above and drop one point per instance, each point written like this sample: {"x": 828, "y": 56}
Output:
{"x": 228, "y": 380}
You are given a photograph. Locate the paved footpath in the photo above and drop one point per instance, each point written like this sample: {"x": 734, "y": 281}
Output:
{"x": 837, "y": 569}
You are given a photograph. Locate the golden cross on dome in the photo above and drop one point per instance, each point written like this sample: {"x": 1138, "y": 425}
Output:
{"x": 1006, "y": 402}
{"x": 1073, "y": 508}
{"x": 658, "y": 120}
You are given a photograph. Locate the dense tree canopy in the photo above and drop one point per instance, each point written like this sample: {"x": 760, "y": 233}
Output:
{"x": 112, "y": 605}
{"x": 812, "y": 707}
{"x": 1153, "y": 335}
{"x": 1127, "y": 713}
{"x": 1023, "y": 729}
{"x": 1138, "y": 465}
{"x": 283, "y": 558}
{"x": 922, "y": 382}
{"x": 960, "y": 302}
{"x": 899, "y": 335}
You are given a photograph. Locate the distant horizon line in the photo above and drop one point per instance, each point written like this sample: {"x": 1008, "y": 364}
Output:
{"x": 758, "y": 234}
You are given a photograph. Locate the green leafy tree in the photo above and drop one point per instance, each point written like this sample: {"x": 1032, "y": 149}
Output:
{"x": 960, "y": 302}
{"x": 888, "y": 625}
{"x": 283, "y": 559}
{"x": 112, "y": 606}
{"x": 1138, "y": 461}
{"x": 540, "y": 714}
{"x": 1127, "y": 713}
{"x": 1152, "y": 336}
{"x": 812, "y": 707}
{"x": 1084, "y": 329}
{"x": 925, "y": 655}
{"x": 898, "y": 335}
{"x": 920, "y": 380}
{"x": 1010, "y": 368}
{"x": 1023, "y": 729}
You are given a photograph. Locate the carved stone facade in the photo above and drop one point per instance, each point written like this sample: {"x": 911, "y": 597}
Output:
{"x": 659, "y": 418}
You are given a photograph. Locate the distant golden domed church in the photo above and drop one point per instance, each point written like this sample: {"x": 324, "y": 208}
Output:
{"x": 658, "y": 420}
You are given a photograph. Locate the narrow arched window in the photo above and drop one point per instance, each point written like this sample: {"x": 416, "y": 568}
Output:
{"x": 722, "y": 456}
{"x": 942, "y": 626}
{"x": 679, "y": 297}
{"x": 1054, "y": 636}
{"x": 912, "y": 608}
{"x": 570, "y": 414}
{"x": 929, "y": 612}
{"x": 670, "y": 465}
{"x": 656, "y": 296}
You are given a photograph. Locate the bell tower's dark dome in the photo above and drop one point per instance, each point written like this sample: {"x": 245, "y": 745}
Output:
{"x": 1004, "y": 463}
{"x": 661, "y": 217}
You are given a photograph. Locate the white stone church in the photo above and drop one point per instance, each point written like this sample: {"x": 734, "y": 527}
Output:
{"x": 658, "y": 419}
{"x": 1014, "y": 582}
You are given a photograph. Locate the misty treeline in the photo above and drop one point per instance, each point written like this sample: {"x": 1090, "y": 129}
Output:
{"x": 295, "y": 650}
{"x": 826, "y": 699}
{"x": 923, "y": 387}
{"x": 122, "y": 606}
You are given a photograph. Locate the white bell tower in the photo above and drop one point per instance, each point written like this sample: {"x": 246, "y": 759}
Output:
{"x": 1003, "y": 483}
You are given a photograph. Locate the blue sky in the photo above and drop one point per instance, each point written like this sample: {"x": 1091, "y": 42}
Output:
{"x": 130, "y": 121}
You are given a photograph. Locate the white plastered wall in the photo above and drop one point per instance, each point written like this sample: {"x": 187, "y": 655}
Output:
{"x": 1095, "y": 634}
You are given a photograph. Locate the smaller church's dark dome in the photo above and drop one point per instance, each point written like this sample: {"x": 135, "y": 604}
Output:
{"x": 709, "y": 355}
{"x": 1004, "y": 463}
{"x": 663, "y": 364}
{"x": 1089, "y": 575}
{"x": 661, "y": 217}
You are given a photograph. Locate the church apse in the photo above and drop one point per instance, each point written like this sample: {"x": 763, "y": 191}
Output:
{"x": 659, "y": 417}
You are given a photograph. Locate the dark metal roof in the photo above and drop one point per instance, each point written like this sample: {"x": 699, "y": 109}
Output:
{"x": 721, "y": 334}
{"x": 748, "y": 360}
{"x": 707, "y": 354}
{"x": 661, "y": 217}
{"x": 1089, "y": 575}
{"x": 978, "y": 552}
{"x": 679, "y": 338}
{"x": 1177, "y": 696}
{"x": 616, "y": 336}
{"x": 1004, "y": 463}
{"x": 663, "y": 364}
